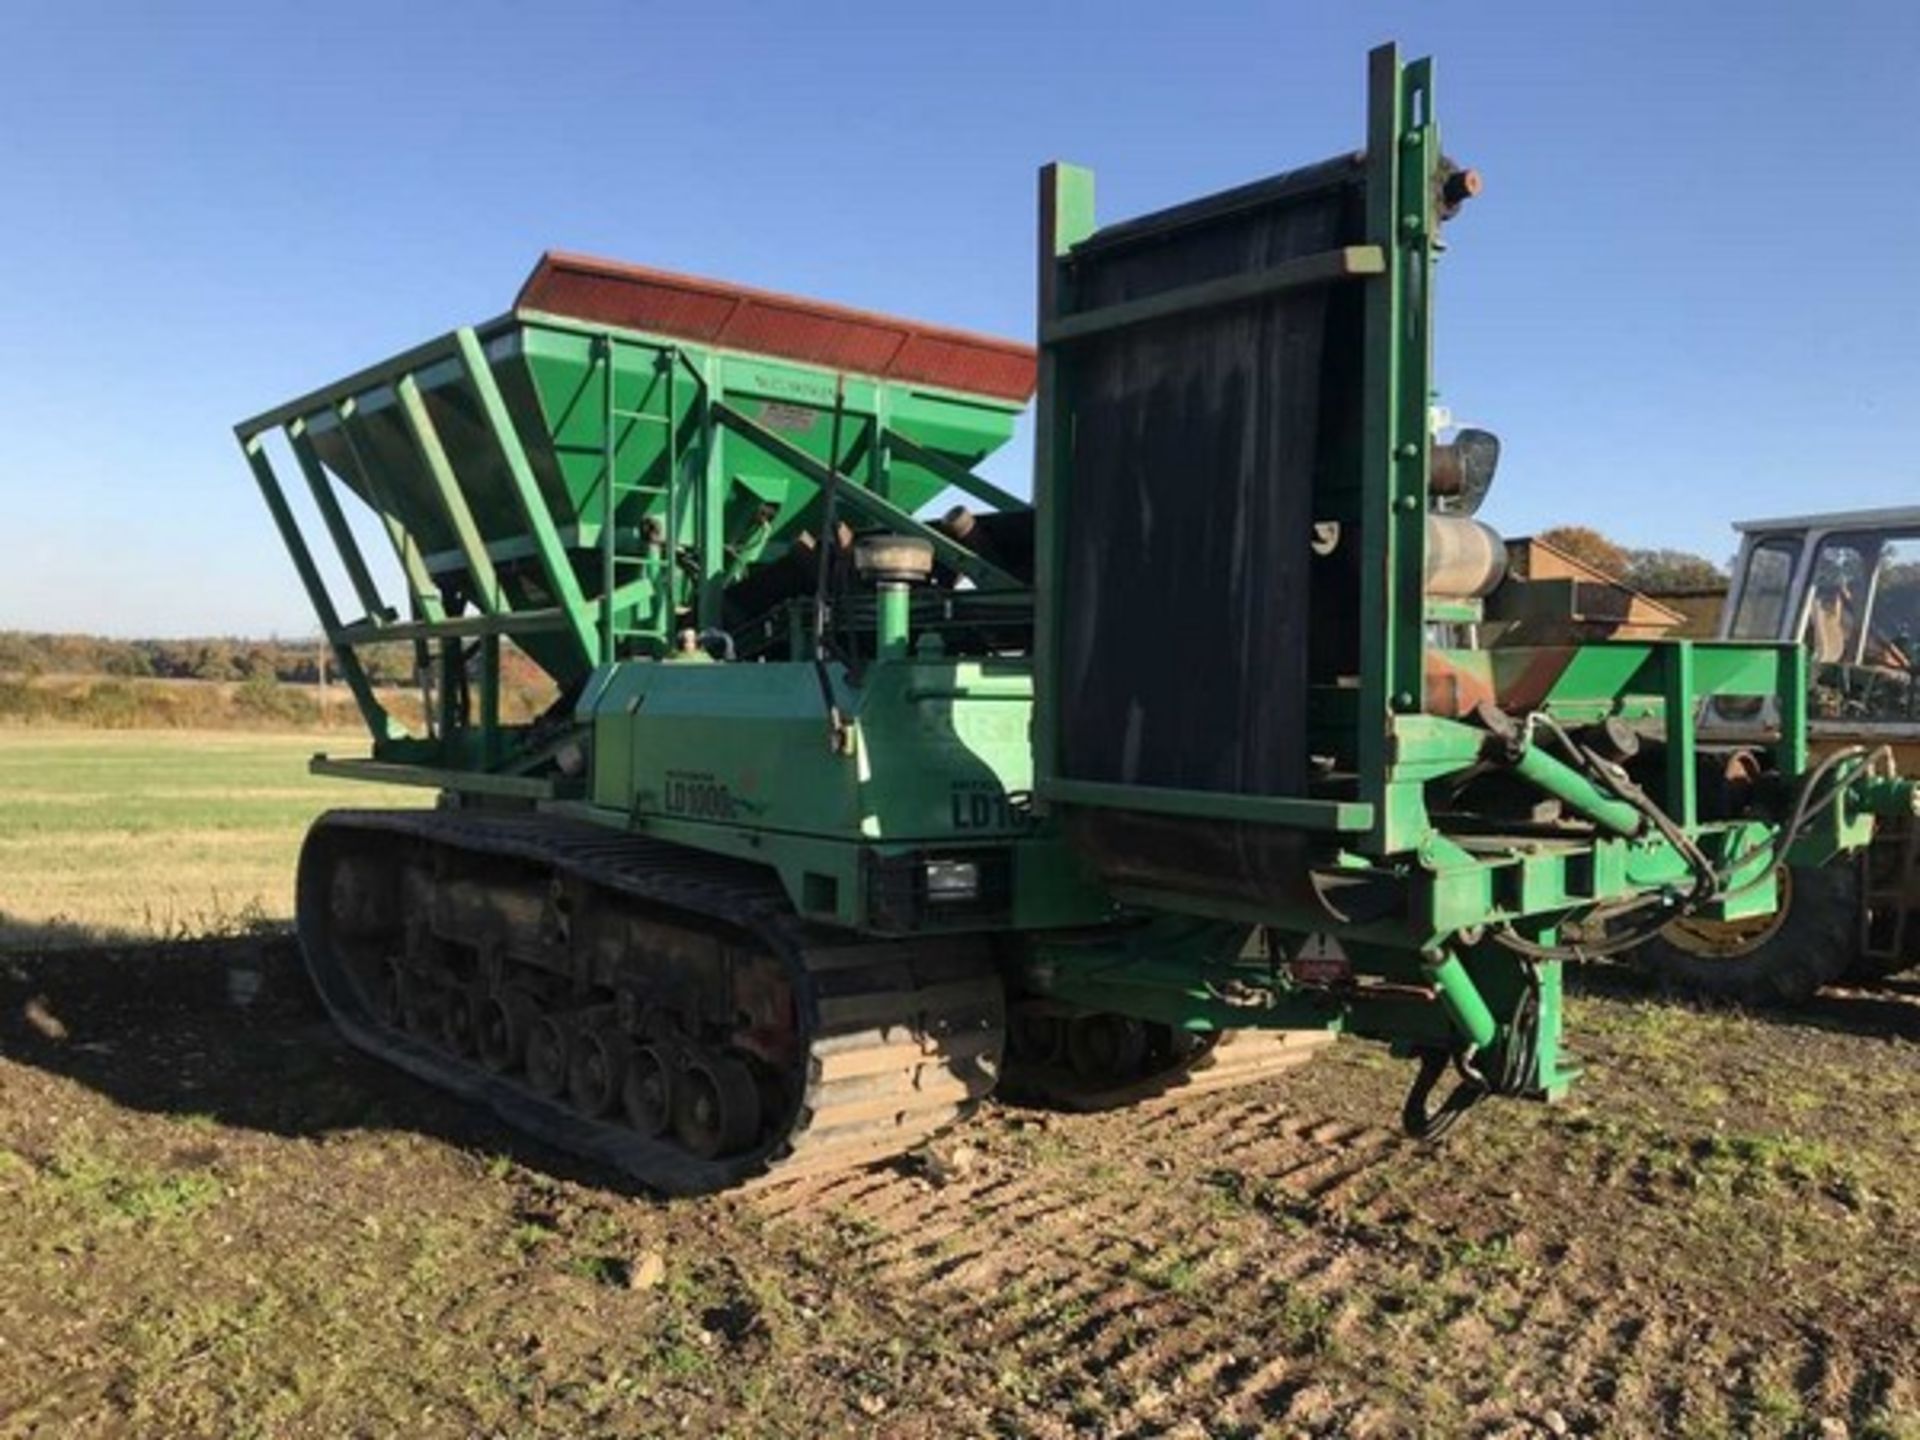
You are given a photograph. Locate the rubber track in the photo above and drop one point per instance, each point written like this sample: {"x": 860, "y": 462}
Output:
{"x": 904, "y": 1035}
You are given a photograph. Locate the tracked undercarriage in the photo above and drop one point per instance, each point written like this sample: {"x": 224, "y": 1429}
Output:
{"x": 664, "y": 1013}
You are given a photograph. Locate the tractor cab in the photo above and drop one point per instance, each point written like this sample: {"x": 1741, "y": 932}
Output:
{"x": 1847, "y": 586}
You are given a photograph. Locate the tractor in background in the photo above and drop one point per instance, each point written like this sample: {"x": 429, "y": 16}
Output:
{"x": 1846, "y": 586}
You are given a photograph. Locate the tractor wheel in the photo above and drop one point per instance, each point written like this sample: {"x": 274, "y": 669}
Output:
{"x": 1778, "y": 959}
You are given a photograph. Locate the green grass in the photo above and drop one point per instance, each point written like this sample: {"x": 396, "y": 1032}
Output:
{"x": 102, "y": 1188}
{"x": 111, "y": 834}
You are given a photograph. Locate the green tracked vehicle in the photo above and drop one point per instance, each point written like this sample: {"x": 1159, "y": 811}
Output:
{"x": 1234, "y": 739}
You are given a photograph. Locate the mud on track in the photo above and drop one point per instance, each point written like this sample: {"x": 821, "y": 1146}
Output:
{"x": 221, "y": 1221}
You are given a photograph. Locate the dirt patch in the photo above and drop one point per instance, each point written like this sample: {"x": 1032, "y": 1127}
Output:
{"x": 223, "y": 1222}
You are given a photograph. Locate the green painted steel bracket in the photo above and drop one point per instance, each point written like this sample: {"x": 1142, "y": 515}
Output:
{"x": 713, "y": 484}
{"x": 519, "y": 787}
{"x": 453, "y": 500}
{"x": 1328, "y": 267}
{"x": 1677, "y": 691}
{"x": 529, "y": 622}
{"x": 1066, "y": 219}
{"x": 426, "y": 595}
{"x": 371, "y": 378}
{"x": 1402, "y": 155}
{"x": 858, "y": 497}
{"x": 1350, "y": 816}
{"x": 957, "y": 476}
{"x": 383, "y": 725}
{"x": 328, "y": 505}
{"x": 1427, "y": 747}
{"x": 1790, "y": 750}
{"x": 555, "y": 564}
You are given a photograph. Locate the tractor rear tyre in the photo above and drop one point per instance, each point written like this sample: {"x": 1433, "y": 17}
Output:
{"x": 1812, "y": 940}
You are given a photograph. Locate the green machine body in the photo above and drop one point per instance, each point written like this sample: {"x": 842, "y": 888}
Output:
{"x": 1238, "y": 726}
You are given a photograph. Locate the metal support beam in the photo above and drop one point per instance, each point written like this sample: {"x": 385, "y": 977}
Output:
{"x": 1791, "y": 754}
{"x": 453, "y": 500}
{"x": 857, "y": 497}
{"x": 1402, "y": 153}
{"x": 490, "y": 699}
{"x": 1683, "y": 793}
{"x": 452, "y": 666}
{"x": 1066, "y": 218}
{"x": 1352, "y": 816}
{"x": 1324, "y": 268}
{"x": 957, "y": 476}
{"x": 518, "y": 622}
{"x": 709, "y": 518}
{"x": 329, "y": 506}
{"x": 426, "y": 595}
{"x": 609, "y": 494}
{"x": 436, "y": 777}
{"x": 372, "y": 378}
{"x": 378, "y": 721}
{"x": 555, "y": 563}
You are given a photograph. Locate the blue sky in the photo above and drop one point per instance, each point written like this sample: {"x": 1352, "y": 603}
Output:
{"x": 1689, "y": 293}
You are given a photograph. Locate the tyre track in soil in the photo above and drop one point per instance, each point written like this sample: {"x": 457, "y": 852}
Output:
{"x": 1120, "y": 1289}
{"x": 1128, "y": 1283}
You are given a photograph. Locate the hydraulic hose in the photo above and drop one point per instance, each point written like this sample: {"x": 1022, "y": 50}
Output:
{"x": 1806, "y": 809}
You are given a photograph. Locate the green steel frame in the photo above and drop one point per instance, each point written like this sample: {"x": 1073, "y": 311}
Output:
{"x": 1403, "y": 726}
{"x": 1441, "y": 969}
{"x": 1383, "y": 732}
{"x": 462, "y": 748}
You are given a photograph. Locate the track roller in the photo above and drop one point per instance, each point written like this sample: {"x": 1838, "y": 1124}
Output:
{"x": 548, "y": 1059}
{"x": 716, "y": 1105}
{"x": 596, "y": 1069}
{"x": 506, "y": 1018}
{"x": 646, "y": 1094}
{"x": 459, "y": 1020}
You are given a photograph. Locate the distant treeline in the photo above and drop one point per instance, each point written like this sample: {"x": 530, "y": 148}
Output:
{"x": 268, "y": 684}
{"x": 138, "y": 703}
{"x": 220, "y": 658}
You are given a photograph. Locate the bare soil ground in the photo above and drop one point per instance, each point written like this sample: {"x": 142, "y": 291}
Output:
{"x": 222, "y": 1222}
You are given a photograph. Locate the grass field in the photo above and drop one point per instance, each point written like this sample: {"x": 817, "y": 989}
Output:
{"x": 156, "y": 834}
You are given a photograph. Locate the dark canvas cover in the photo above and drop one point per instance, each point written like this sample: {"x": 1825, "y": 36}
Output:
{"x": 1186, "y": 605}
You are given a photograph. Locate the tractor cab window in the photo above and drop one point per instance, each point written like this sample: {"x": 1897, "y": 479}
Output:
{"x": 1763, "y": 593}
{"x": 1862, "y": 627}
